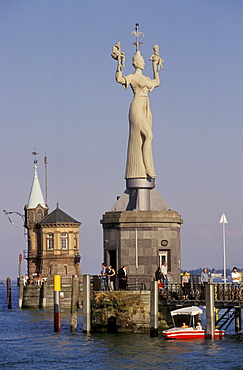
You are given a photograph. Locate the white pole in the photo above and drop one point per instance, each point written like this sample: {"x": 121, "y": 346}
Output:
{"x": 136, "y": 247}
{"x": 223, "y": 220}
{"x": 86, "y": 304}
{"x": 224, "y": 253}
{"x": 46, "y": 179}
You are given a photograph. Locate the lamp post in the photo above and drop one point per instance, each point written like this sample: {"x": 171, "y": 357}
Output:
{"x": 77, "y": 259}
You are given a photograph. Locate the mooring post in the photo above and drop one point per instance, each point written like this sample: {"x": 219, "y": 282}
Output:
{"x": 43, "y": 294}
{"x": 238, "y": 320}
{"x": 86, "y": 304}
{"x": 9, "y": 296}
{"x": 21, "y": 292}
{"x": 210, "y": 316}
{"x": 154, "y": 309}
{"x": 74, "y": 304}
{"x": 57, "y": 314}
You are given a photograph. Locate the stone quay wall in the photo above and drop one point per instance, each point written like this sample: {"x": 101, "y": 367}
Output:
{"x": 116, "y": 311}
{"x": 35, "y": 295}
{"x": 124, "y": 311}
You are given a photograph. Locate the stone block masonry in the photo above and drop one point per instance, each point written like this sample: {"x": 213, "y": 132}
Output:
{"x": 142, "y": 240}
{"x": 120, "y": 311}
{"x": 33, "y": 296}
{"x": 124, "y": 311}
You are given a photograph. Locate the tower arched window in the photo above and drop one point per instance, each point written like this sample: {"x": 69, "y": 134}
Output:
{"x": 39, "y": 215}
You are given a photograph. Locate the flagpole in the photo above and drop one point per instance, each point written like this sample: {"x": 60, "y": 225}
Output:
{"x": 223, "y": 220}
{"x": 224, "y": 246}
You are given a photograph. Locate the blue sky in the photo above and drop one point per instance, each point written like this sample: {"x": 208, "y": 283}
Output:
{"x": 58, "y": 96}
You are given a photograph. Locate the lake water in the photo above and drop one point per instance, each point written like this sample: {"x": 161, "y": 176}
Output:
{"x": 27, "y": 341}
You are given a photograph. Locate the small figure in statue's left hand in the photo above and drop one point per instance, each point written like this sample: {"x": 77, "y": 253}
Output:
{"x": 156, "y": 57}
{"x": 117, "y": 54}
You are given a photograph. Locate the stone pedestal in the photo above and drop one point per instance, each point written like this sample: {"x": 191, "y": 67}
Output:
{"x": 142, "y": 240}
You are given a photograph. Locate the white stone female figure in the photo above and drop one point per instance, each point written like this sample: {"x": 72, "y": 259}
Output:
{"x": 139, "y": 154}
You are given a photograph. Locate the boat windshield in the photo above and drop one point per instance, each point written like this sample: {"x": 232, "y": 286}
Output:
{"x": 190, "y": 321}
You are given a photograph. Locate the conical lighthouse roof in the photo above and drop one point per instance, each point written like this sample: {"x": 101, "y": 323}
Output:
{"x": 36, "y": 196}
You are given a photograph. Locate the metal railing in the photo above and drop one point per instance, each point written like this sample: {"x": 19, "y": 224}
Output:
{"x": 97, "y": 284}
{"x": 173, "y": 292}
{"x": 222, "y": 292}
{"x": 195, "y": 292}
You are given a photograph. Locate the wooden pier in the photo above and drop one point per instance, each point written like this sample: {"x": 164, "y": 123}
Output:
{"x": 147, "y": 308}
{"x": 224, "y": 295}
{"x": 222, "y": 303}
{"x": 224, "y": 299}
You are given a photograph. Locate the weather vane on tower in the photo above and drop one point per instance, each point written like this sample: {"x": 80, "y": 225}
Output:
{"x": 35, "y": 154}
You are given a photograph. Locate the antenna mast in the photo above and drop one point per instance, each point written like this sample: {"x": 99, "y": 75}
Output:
{"x": 46, "y": 179}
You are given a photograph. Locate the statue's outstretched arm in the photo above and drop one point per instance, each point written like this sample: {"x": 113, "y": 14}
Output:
{"x": 156, "y": 79}
{"x": 156, "y": 65}
{"x": 119, "y": 77}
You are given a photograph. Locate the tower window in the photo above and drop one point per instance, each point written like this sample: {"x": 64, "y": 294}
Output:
{"x": 50, "y": 241}
{"x": 64, "y": 241}
{"x": 75, "y": 242}
{"x": 39, "y": 215}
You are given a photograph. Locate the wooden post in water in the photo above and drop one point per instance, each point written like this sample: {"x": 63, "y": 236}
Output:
{"x": 154, "y": 309}
{"x": 21, "y": 292}
{"x": 9, "y": 296}
{"x": 238, "y": 320}
{"x": 210, "y": 316}
{"x": 43, "y": 294}
{"x": 57, "y": 314}
{"x": 74, "y": 304}
{"x": 86, "y": 304}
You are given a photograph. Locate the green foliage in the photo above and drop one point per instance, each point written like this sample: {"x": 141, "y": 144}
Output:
{"x": 122, "y": 305}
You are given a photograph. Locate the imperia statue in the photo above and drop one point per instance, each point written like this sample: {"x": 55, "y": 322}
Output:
{"x": 140, "y": 162}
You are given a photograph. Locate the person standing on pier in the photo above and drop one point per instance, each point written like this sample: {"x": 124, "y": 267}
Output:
{"x": 204, "y": 282}
{"x": 158, "y": 278}
{"x": 158, "y": 274}
{"x": 122, "y": 276}
{"x": 104, "y": 277}
{"x": 185, "y": 284}
{"x": 164, "y": 275}
{"x": 111, "y": 273}
{"x": 235, "y": 277}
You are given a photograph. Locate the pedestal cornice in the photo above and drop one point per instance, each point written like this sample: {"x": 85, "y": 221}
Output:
{"x": 141, "y": 217}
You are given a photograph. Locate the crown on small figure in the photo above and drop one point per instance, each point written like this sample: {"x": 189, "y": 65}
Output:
{"x": 137, "y": 34}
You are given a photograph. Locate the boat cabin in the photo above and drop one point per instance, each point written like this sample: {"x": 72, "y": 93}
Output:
{"x": 188, "y": 315}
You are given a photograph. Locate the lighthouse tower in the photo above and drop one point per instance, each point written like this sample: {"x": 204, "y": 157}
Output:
{"x": 53, "y": 239}
{"x": 35, "y": 211}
